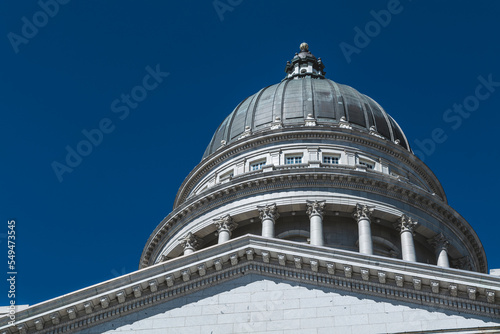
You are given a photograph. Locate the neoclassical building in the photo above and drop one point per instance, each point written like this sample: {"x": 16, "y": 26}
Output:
{"x": 308, "y": 213}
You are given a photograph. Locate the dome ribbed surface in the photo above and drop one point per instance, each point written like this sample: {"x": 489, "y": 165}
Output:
{"x": 292, "y": 100}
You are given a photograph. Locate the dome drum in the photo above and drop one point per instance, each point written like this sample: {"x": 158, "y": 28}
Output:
{"x": 340, "y": 229}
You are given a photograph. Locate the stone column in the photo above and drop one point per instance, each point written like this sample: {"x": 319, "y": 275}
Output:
{"x": 406, "y": 227}
{"x": 189, "y": 243}
{"x": 362, "y": 214}
{"x": 441, "y": 243}
{"x": 268, "y": 215}
{"x": 225, "y": 225}
{"x": 315, "y": 212}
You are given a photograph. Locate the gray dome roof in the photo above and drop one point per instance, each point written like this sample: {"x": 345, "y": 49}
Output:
{"x": 305, "y": 92}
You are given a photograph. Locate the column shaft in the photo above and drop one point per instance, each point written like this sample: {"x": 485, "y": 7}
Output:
{"x": 408, "y": 246}
{"x": 316, "y": 237}
{"x": 268, "y": 227}
{"x": 441, "y": 244}
{"x": 406, "y": 226}
{"x": 442, "y": 258}
{"x": 223, "y": 236}
{"x": 315, "y": 213}
{"x": 188, "y": 250}
{"x": 365, "y": 236}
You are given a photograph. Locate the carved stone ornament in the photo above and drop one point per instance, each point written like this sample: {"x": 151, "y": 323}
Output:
{"x": 453, "y": 290}
{"x": 223, "y": 143}
{"x": 330, "y": 268}
{"x": 399, "y": 280}
{"x": 315, "y": 208}
{"x": 344, "y": 124}
{"x": 365, "y": 274}
{"x": 250, "y": 253}
{"x": 439, "y": 242}
{"x": 202, "y": 269}
{"x": 314, "y": 265}
{"x": 225, "y": 223}
{"x": 297, "y": 260}
{"x": 348, "y": 271}
{"x": 71, "y": 312}
{"x": 246, "y": 133}
{"x": 56, "y": 318}
{"x": 374, "y": 132}
{"x": 268, "y": 211}
{"x": 406, "y": 224}
{"x": 382, "y": 277}
{"x": 234, "y": 259}
{"x": 277, "y": 124}
{"x": 38, "y": 324}
{"x": 282, "y": 259}
{"x": 435, "y": 286}
{"x": 310, "y": 120}
{"x": 362, "y": 211}
{"x": 417, "y": 284}
{"x": 190, "y": 241}
{"x": 462, "y": 263}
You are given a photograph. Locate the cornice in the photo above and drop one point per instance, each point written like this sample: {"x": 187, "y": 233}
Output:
{"x": 307, "y": 133}
{"x": 341, "y": 177}
{"x": 410, "y": 282}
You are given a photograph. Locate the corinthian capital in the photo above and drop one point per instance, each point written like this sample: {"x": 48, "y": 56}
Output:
{"x": 315, "y": 208}
{"x": 268, "y": 211}
{"x": 406, "y": 224}
{"x": 190, "y": 241}
{"x": 225, "y": 223}
{"x": 362, "y": 211}
{"x": 439, "y": 242}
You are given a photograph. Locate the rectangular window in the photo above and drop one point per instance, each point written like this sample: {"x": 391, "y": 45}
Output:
{"x": 227, "y": 176}
{"x": 257, "y": 165}
{"x": 329, "y": 159}
{"x": 291, "y": 160}
{"x": 368, "y": 165}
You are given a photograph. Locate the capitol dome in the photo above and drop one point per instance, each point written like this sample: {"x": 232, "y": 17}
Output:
{"x": 314, "y": 162}
{"x": 306, "y": 93}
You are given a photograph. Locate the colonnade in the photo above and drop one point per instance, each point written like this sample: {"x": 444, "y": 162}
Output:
{"x": 315, "y": 209}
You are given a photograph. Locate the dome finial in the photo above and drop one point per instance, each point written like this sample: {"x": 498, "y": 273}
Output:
{"x": 304, "y": 64}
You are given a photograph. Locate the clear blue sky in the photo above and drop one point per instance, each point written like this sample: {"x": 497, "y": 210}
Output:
{"x": 69, "y": 71}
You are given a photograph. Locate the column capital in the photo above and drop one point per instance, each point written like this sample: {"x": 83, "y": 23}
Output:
{"x": 225, "y": 223}
{"x": 268, "y": 211}
{"x": 190, "y": 241}
{"x": 362, "y": 211}
{"x": 406, "y": 224}
{"x": 439, "y": 242}
{"x": 315, "y": 208}
{"x": 462, "y": 263}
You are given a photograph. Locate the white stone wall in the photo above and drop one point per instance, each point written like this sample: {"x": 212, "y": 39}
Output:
{"x": 255, "y": 304}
